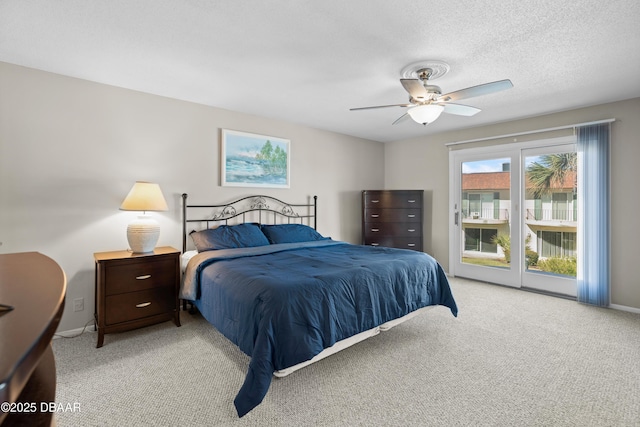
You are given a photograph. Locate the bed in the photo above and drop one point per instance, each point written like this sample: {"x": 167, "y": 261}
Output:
{"x": 288, "y": 296}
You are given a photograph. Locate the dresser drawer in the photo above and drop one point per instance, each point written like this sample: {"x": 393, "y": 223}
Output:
{"x": 400, "y": 229}
{"x": 395, "y": 199}
{"x": 393, "y": 218}
{"x": 140, "y": 304}
{"x": 414, "y": 243}
{"x": 137, "y": 275}
{"x": 392, "y": 215}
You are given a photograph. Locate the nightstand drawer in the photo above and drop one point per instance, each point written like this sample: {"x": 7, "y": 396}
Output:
{"x": 137, "y": 305}
{"x": 136, "y": 290}
{"x": 138, "y": 275}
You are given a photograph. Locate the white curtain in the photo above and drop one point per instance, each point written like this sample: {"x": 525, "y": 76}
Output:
{"x": 593, "y": 214}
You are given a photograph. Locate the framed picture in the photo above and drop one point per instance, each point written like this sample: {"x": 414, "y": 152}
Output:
{"x": 251, "y": 160}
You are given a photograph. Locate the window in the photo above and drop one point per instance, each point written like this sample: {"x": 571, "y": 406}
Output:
{"x": 472, "y": 239}
{"x": 556, "y": 244}
{"x": 480, "y": 240}
{"x": 560, "y": 205}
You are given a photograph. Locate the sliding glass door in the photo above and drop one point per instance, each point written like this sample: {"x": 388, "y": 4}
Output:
{"x": 483, "y": 223}
{"x": 513, "y": 215}
{"x": 550, "y": 218}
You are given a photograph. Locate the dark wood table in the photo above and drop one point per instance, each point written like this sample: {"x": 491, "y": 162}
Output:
{"x": 34, "y": 286}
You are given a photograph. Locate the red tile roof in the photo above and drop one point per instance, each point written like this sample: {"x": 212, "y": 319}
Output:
{"x": 485, "y": 181}
{"x": 500, "y": 181}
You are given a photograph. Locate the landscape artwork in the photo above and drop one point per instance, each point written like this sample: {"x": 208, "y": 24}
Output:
{"x": 251, "y": 160}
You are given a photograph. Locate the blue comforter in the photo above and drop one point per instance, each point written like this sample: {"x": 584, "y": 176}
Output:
{"x": 283, "y": 304}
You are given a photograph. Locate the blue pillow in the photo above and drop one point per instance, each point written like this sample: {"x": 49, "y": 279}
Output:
{"x": 291, "y": 233}
{"x": 229, "y": 237}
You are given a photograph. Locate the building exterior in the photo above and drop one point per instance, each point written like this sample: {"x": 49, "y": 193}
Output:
{"x": 550, "y": 220}
{"x": 485, "y": 212}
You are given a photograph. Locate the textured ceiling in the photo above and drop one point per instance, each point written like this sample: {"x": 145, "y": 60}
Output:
{"x": 308, "y": 62}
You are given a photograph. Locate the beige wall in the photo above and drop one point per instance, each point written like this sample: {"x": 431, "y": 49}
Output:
{"x": 423, "y": 163}
{"x": 70, "y": 150}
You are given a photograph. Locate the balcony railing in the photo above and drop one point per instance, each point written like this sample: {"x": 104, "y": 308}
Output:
{"x": 551, "y": 215}
{"x": 487, "y": 213}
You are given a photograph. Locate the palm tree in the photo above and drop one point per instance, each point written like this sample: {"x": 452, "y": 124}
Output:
{"x": 551, "y": 170}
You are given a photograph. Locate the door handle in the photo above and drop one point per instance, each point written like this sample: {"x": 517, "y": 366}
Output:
{"x": 455, "y": 218}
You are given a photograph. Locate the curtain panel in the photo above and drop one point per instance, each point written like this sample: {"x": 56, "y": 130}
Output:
{"x": 593, "y": 274}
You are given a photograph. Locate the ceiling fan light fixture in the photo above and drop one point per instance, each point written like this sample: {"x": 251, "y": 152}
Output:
{"x": 425, "y": 114}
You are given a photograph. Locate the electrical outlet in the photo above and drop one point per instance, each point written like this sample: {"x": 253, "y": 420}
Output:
{"x": 78, "y": 304}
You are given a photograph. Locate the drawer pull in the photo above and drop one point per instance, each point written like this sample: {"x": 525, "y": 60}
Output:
{"x": 411, "y": 230}
{"x": 375, "y": 244}
{"x": 375, "y": 215}
{"x": 411, "y": 201}
{"x": 143, "y": 305}
{"x": 375, "y": 229}
{"x": 375, "y": 201}
{"x": 411, "y": 245}
{"x": 146, "y": 276}
{"x": 411, "y": 216}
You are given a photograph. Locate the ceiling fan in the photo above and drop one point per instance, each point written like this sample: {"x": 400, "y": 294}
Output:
{"x": 426, "y": 101}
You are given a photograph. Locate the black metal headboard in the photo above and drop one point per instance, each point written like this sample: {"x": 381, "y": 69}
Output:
{"x": 261, "y": 209}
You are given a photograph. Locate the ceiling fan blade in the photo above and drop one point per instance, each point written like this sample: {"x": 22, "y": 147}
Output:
{"x": 459, "y": 109}
{"x": 380, "y": 106}
{"x": 401, "y": 119}
{"x": 415, "y": 88}
{"x": 483, "y": 89}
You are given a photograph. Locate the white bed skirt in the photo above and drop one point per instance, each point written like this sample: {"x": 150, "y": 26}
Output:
{"x": 348, "y": 342}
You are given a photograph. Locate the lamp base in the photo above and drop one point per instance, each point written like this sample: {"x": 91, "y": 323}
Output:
{"x": 143, "y": 234}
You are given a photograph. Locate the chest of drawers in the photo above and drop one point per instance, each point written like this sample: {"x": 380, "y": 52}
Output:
{"x": 135, "y": 290}
{"x": 392, "y": 218}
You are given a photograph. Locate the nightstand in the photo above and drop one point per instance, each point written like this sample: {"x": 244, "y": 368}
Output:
{"x": 136, "y": 290}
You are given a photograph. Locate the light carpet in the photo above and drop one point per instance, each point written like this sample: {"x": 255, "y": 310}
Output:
{"x": 511, "y": 358}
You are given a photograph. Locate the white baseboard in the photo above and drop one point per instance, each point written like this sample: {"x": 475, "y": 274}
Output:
{"x": 73, "y": 332}
{"x": 612, "y": 306}
{"x": 625, "y": 308}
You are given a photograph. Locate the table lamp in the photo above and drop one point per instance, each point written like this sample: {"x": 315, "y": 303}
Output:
{"x": 143, "y": 232}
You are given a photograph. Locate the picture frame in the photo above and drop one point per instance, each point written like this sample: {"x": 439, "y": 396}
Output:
{"x": 253, "y": 160}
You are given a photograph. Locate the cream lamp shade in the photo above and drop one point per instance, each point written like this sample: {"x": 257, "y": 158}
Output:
{"x": 425, "y": 114}
{"x": 143, "y": 232}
